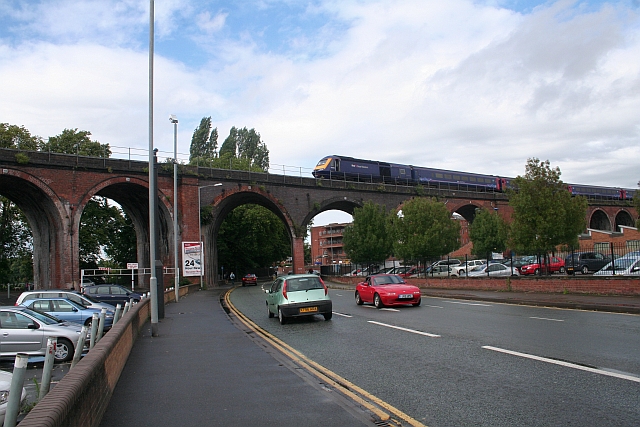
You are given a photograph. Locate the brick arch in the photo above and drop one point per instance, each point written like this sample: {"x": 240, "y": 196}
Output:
{"x": 599, "y": 220}
{"x": 48, "y": 217}
{"x": 228, "y": 200}
{"x": 623, "y": 218}
{"x": 345, "y": 204}
{"x": 132, "y": 194}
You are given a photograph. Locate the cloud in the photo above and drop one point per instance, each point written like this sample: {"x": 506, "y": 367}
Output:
{"x": 211, "y": 25}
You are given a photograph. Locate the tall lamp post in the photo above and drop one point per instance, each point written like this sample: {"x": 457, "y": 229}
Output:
{"x": 200, "y": 237}
{"x": 176, "y": 284}
{"x": 153, "y": 281}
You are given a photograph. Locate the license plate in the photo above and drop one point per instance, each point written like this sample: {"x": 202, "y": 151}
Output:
{"x": 308, "y": 309}
{"x": 405, "y": 296}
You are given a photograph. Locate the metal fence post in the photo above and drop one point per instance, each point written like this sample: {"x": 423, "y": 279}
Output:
{"x": 80, "y": 345}
{"x": 15, "y": 392}
{"x": 94, "y": 329}
{"x": 103, "y": 313}
{"x": 45, "y": 383}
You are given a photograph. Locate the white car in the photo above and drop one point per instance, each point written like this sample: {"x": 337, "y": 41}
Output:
{"x": 461, "y": 270}
{"x": 493, "y": 270}
{"x": 624, "y": 266}
{"x": 5, "y": 386}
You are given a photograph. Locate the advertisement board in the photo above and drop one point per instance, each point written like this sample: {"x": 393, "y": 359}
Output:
{"x": 191, "y": 256}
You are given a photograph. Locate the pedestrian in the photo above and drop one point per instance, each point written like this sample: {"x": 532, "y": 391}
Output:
{"x": 232, "y": 277}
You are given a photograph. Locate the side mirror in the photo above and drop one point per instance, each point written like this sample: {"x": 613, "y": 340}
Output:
{"x": 75, "y": 309}
{"x": 33, "y": 326}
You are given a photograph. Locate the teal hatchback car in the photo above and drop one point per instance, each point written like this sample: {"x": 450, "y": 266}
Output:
{"x": 298, "y": 295}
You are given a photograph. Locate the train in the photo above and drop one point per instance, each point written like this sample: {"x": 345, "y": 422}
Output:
{"x": 349, "y": 168}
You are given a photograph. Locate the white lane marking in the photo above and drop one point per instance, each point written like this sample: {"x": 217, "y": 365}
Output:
{"x": 566, "y": 364}
{"x": 338, "y": 295}
{"x": 546, "y": 318}
{"x": 404, "y": 329}
{"x": 468, "y": 303}
{"x": 340, "y": 314}
{"x": 433, "y": 306}
{"x": 389, "y": 309}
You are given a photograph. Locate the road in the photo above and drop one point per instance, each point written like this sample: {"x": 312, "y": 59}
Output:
{"x": 453, "y": 363}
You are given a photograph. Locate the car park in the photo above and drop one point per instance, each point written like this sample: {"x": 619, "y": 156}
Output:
{"x": 298, "y": 295}
{"x": 249, "y": 279}
{"x": 461, "y": 269}
{"x": 438, "y": 271}
{"x": 585, "y": 262}
{"x": 23, "y": 330}
{"x": 387, "y": 290}
{"x": 556, "y": 265}
{"x": 69, "y": 311}
{"x": 628, "y": 265}
{"x": 5, "y": 388}
{"x": 75, "y": 296}
{"x": 112, "y": 294}
{"x": 414, "y": 271}
{"x": 493, "y": 270}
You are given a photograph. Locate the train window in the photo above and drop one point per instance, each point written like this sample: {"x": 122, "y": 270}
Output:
{"x": 439, "y": 175}
{"x": 447, "y": 176}
{"x": 473, "y": 179}
{"x": 465, "y": 178}
{"x": 402, "y": 172}
{"x": 456, "y": 177}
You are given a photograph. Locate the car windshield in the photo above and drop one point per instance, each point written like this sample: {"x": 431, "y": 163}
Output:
{"x": 479, "y": 268}
{"x": 620, "y": 264}
{"x": 43, "y": 317}
{"x": 304, "y": 284}
{"x": 387, "y": 280}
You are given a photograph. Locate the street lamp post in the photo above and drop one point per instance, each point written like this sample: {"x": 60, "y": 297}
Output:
{"x": 200, "y": 237}
{"x": 153, "y": 281}
{"x": 173, "y": 119}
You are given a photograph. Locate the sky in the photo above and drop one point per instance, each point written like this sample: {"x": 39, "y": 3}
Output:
{"x": 476, "y": 86}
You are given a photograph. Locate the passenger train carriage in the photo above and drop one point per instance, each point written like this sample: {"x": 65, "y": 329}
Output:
{"x": 349, "y": 168}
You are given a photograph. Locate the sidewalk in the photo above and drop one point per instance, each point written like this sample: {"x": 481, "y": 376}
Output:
{"x": 202, "y": 370}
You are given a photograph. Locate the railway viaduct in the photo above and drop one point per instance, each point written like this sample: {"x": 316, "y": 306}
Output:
{"x": 53, "y": 189}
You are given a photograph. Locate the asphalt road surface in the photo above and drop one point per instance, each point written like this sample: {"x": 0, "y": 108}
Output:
{"x": 453, "y": 362}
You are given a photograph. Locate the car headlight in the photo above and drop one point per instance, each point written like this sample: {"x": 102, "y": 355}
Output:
{"x": 4, "y": 396}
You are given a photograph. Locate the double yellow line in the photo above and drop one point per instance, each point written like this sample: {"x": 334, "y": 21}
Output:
{"x": 379, "y": 408}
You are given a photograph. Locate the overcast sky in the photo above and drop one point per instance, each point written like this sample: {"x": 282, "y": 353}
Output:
{"x": 477, "y": 86}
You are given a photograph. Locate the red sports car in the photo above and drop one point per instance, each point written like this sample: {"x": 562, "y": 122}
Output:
{"x": 387, "y": 289}
{"x": 249, "y": 279}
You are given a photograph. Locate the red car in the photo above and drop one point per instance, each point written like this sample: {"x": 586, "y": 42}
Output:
{"x": 555, "y": 264}
{"x": 387, "y": 289}
{"x": 249, "y": 279}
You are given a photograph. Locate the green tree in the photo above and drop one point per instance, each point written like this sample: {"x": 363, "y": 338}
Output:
{"x": 246, "y": 144}
{"x": 636, "y": 204}
{"x": 425, "y": 230}
{"x": 368, "y": 239}
{"x": 73, "y": 141}
{"x": 204, "y": 142}
{"x": 12, "y": 136}
{"x": 16, "y": 244}
{"x": 545, "y": 214}
{"x": 488, "y": 232}
{"x": 251, "y": 237}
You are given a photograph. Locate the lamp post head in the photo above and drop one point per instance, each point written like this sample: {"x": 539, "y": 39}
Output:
{"x": 173, "y": 119}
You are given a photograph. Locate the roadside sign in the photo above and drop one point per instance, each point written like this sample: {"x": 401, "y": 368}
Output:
{"x": 191, "y": 256}
{"x": 132, "y": 266}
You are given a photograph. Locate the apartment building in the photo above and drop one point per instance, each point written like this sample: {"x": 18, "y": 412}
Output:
{"x": 326, "y": 244}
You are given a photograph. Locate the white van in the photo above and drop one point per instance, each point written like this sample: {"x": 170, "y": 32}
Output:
{"x": 628, "y": 265}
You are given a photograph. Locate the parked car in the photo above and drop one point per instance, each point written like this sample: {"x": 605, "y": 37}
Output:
{"x": 75, "y": 296}
{"x": 461, "y": 270}
{"x": 493, "y": 270}
{"x": 413, "y": 271}
{"x": 23, "y": 330}
{"x": 555, "y": 265}
{"x": 520, "y": 261}
{"x": 624, "y": 266}
{"x": 5, "y": 387}
{"x": 249, "y": 279}
{"x": 585, "y": 262}
{"x": 450, "y": 262}
{"x": 387, "y": 289}
{"x": 112, "y": 294}
{"x": 298, "y": 295}
{"x": 69, "y": 311}
{"x": 399, "y": 270}
{"x": 438, "y": 271}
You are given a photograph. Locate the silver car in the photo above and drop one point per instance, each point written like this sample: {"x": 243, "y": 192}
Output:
{"x": 493, "y": 270}
{"x": 77, "y": 297}
{"x": 23, "y": 330}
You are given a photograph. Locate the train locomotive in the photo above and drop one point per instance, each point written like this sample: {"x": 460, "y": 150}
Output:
{"x": 349, "y": 168}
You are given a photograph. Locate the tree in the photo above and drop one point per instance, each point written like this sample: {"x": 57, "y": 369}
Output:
{"x": 204, "y": 142}
{"x": 636, "y": 204}
{"x": 246, "y": 144}
{"x": 545, "y": 214}
{"x": 73, "y": 141}
{"x": 12, "y": 136}
{"x": 368, "y": 238}
{"x": 425, "y": 230}
{"x": 16, "y": 244}
{"x": 488, "y": 232}
{"x": 251, "y": 237}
